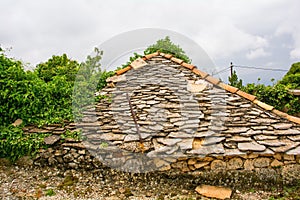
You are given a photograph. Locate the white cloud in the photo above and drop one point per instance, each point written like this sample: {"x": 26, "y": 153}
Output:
{"x": 223, "y": 39}
{"x": 235, "y": 29}
{"x": 257, "y": 53}
{"x": 295, "y": 53}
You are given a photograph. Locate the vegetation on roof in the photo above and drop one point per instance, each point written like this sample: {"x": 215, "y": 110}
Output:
{"x": 167, "y": 46}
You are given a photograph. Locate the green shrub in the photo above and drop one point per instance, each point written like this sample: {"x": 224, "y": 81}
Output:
{"x": 15, "y": 144}
{"x": 167, "y": 46}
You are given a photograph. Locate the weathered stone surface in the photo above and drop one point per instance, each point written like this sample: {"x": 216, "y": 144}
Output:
{"x": 251, "y": 146}
{"x": 214, "y": 192}
{"x": 195, "y": 88}
{"x": 212, "y": 140}
{"x": 288, "y": 146}
{"x": 169, "y": 141}
{"x": 131, "y": 137}
{"x": 206, "y": 150}
{"x": 218, "y": 165}
{"x": 50, "y": 140}
{"x": 237, "y": 138}
{"x": 235, "y": 163}
{"x": 295, "y": 138}
{"x": 248, "y": 165}
{"x": 276, "y": 163}
{"x": 111, "y": 136}
{"x": 180, "y": 134}
{"x": 160, "y": 163}
{"x": 234, "y": 152}
{"x": 237, "y": 130}
{"x": 200, "y": 165}
{"x": 138, "y": 63}
{"x": 115, "y": 79}
{"x": 265, "y": 137}
{"x": 295, "y": 151}
{"x": 272, "y": 143}
{"x": 186, "y": 144}
{"x": 282, "y": 132}
{"x": 74, "y": 145}
{"x": 282, "y": 126}
{"x": 261, "y": 162}
{"x": 251, "y": 132}
{"x": 288, "y": 157}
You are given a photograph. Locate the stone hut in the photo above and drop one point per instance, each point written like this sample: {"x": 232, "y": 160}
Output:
{"x": 162, "y": 113}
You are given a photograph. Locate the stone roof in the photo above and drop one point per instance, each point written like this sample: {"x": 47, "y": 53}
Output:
{"x": 184, "y": 112}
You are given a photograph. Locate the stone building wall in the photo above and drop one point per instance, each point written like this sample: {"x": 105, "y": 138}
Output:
{"x": 185, "y": 123}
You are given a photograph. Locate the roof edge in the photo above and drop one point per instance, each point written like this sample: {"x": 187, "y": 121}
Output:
{"x": 216, "y": 82}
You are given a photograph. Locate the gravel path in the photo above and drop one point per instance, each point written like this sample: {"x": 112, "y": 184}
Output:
{"x": 53, "y": 183}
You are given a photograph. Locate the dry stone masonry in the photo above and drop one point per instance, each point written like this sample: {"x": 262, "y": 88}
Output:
{"x": 181, "y": 119}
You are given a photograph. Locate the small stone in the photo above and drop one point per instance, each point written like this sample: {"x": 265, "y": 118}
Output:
{"x": 156, "y": 127}
{"x": 234, "y": 152}
{"x": 261, "y": 162}
{"x": 130, "y": 138}
{"x": 205, "y": 159}
{"x": 251, "y": 132}
{"x": 259, "y": 127}
{"x": 282, "y": 126}
{"x": 295, "y": 138}
{"x": 295, "y": 151}
{"x": 212, "y": 140}
{"x": 218, "y": 165}
{"x": 251, "y": 146}
{"x": 160, "y": 162}
{"x": 111, "y": 136}
{"x": 282, "y": 132}
{"x": 152, "y": 102}
{"x": 272, "y": 143}
{"x": 186, "y": 143}
{"x": 237, "y": 130}
{"x": 265, "y": 137}
{"x": 168, "y": 141}
{"x": 237, "y": 138}
{"x": 248, "y": 165}
{"x": 288, "y": 157}
{"x": 18, "y": 122}
{"x": 276, "y": 163}
{"x": 192, "y": 161}
{"x": 235, "y": 163}
{"x": 206, "y": 150}
{"x": 287, "y": 147}
{"x": 50, "y": 140}
{"x": 197, "y": 143}
{"x": 214, "y": 191}
{"x": 277, "y": 156}
{"x": 200, "y": 165}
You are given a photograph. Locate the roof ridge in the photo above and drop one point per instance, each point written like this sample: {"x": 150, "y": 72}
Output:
{"x": 217, "y": 82}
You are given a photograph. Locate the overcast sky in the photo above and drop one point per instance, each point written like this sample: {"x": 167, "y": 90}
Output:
{"x": 256, "y": 33}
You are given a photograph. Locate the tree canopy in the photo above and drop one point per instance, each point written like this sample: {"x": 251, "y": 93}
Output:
{"x": 292, "y": 77}
{"x": 167, "y": 46}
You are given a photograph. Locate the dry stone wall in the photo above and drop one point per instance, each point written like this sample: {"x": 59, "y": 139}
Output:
{"x": 184, "y": 123}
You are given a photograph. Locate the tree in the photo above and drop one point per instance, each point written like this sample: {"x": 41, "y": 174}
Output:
{"x": 167, "y": 46}
{"x": 57, "y": 66}
{"x": 292, "y": 77}
{"x": 235, "y": 81}
{"x": 276, "y": 95}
